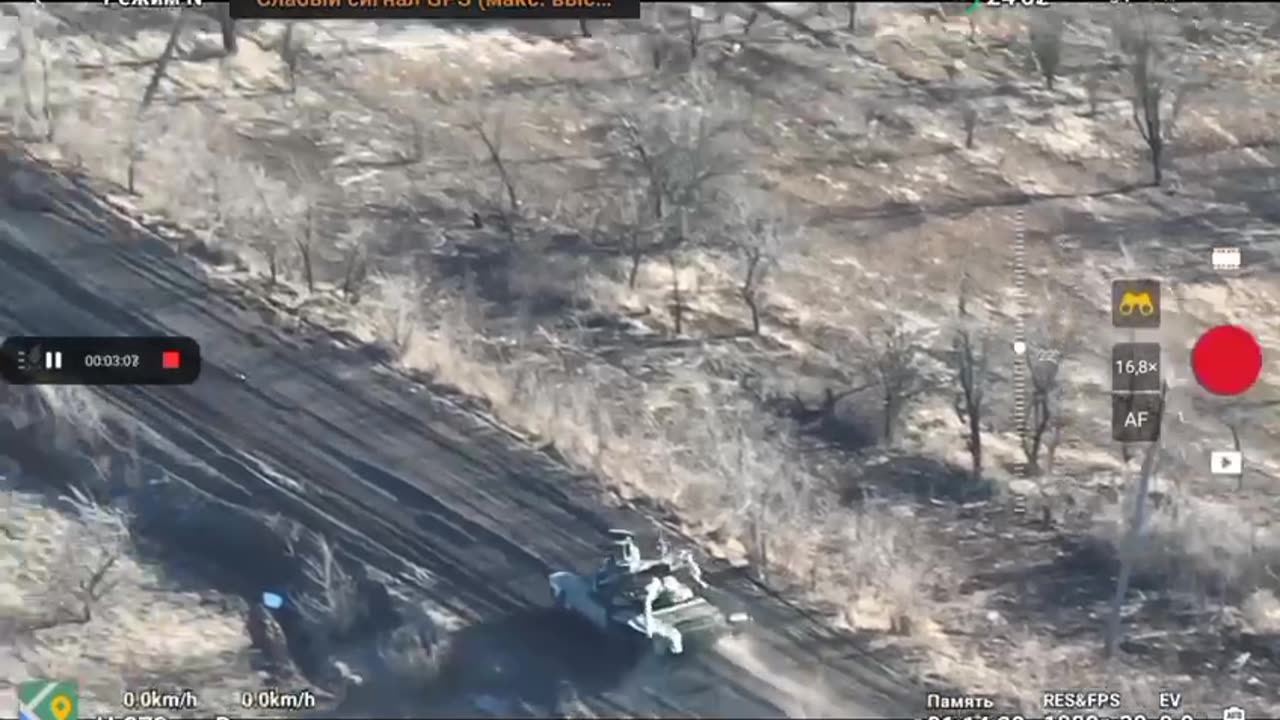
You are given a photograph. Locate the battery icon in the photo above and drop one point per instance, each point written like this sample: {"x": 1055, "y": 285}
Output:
{"x": 171, "y": 360}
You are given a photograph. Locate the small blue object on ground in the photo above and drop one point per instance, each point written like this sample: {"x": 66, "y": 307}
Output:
{"x": 272, "y": 600}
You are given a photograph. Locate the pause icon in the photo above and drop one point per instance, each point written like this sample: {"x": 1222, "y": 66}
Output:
{"x": 53, "y": 360}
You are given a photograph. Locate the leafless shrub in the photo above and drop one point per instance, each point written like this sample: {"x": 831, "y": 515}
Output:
{"x": 1158, "y": 92}
{"x": 397, "y": 310}
{"x": 306, "y": 233}
{"x": 82, "y": 575}
{"x": 768, "y": 493}
{"x": 1197, "y": 548}
{"x": 879, "y": 561}
{"x": 969, "y": 360}
{"x": 1046, "y": 30}
{"x": 263, "y": 212}
{"x": 890, "y": 355}
{"x": 331, "y": 604}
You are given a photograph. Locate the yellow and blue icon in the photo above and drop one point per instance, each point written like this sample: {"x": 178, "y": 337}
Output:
{"x": 48, "y": 700}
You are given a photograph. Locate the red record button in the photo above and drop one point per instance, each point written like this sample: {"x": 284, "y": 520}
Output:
{"x": 1227, "y": 360}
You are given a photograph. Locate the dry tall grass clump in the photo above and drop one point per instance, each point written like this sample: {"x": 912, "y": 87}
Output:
{"x": 705, "y": 453}
{"x": 58, "y": 561}
{"x": 1200, "y": 548}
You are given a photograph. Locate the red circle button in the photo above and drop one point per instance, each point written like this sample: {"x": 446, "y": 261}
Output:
{"x": 1227, "y": 360}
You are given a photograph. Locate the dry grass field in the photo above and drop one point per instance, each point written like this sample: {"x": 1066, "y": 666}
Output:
{"x": 739, "y": 267}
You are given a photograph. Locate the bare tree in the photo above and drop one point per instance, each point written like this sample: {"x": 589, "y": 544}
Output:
{"x": 853, "y": 16}
{"x": 679, "y": 149}
{"x": 969, "y": 119}
{"x": 759, "y": 240}
{"x": 626, "y": 223}
{"x": 162, "y": 64}
{"x": 1131, "y": 547}
{"x": 227, "y": 24}
{"x": 1093, "y": 89}
{"x": 1062, "y": 420}
{"x": 1046, "y": 30}
{"x": 931, "y": 12}
{"x": 693, "y": 30}
{"x": 149, "y": 94}
{"x": 891, "y": 358}
{"x": 1157, "y": 94}
{"x": 492, "y": 139}
{"x": 306, "y": 243}
{"x": 1044, "y": 357}
{"x": 675, "y": 264}
{"x": 290, "y": 56}
{"x": 354, "y": 248}
{"x": 969, "y": 359}
{"x": 1232, "y": 421}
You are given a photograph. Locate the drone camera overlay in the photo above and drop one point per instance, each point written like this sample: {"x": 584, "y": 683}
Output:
{"x": 615, "y": 359}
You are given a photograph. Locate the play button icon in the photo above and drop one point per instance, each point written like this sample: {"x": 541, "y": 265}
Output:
{"x": 1226, "y": 462}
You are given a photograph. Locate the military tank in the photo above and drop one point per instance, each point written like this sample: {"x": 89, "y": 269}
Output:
{"x": 660, "y": 599}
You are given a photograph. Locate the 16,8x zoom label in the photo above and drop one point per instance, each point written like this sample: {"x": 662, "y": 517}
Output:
{"x": 100, "y": 360}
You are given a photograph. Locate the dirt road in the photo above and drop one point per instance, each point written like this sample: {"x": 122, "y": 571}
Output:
{"x": 315, "y": 430}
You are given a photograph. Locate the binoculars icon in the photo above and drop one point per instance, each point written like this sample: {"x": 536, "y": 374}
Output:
{"x": 1136, "y": 302}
